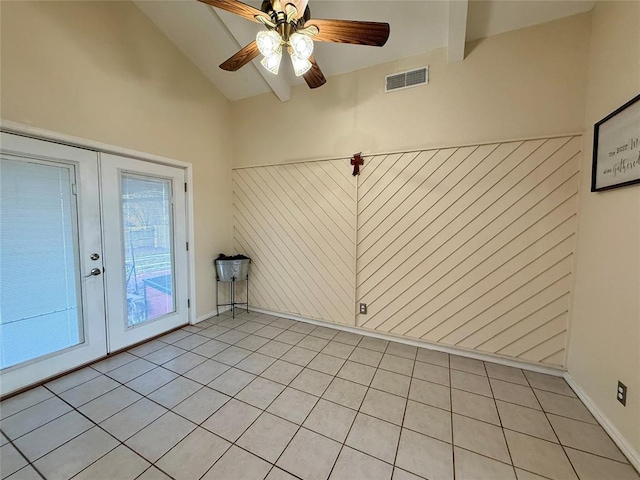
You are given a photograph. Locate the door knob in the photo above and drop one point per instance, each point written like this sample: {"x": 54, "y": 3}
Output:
{"x": 94, "y": 272}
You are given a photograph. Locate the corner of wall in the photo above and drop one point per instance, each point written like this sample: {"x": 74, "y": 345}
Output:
{"x": 605, "y": 330}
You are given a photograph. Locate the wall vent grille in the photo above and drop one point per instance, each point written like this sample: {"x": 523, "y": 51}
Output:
{"x": 402, "y": 80}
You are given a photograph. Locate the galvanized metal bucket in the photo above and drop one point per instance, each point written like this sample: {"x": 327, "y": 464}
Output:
{"x": 229, "y": 270}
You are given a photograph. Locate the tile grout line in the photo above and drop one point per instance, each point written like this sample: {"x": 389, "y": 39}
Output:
{"x": 357, "y": 411}
{"x": 344, "y": 442}
{"x": 234, "y": 443}
{"x": 152, "y": 464}
{"x": 29, "y": 464}
{"x": 564, "y": 447}
{"x": 404, "y": 412}
{"x": 199, "y": 425}
{"x": 504, "y": 436}
{"x": 98, "y": 424}
{"x": 99, "y": 427}
{"x": 273, "y": 464}
{"x": 244, "y": 431}
{"x": 553, "y": 429}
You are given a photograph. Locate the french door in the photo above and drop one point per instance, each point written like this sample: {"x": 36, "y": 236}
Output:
{"x": 145, "y": 248}
{"x": 92, "y": 256}
{"x": 51, "y": 307}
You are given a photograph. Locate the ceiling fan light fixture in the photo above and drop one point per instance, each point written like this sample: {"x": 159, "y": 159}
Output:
{"x": 269, "y": 42}
{"x": 301, "y": 45}
{"x": 294, "y": 29}
{"x": 272, "y": 62}
{"x": 300, "y": 65}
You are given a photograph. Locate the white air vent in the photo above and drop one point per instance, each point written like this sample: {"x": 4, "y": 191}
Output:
{"x": 402, "y": 80}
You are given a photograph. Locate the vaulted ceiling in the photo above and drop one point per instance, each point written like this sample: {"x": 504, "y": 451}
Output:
{"x": 209, "y": 36}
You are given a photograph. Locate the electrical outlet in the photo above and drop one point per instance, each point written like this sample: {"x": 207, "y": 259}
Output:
{"x": 363, "y": 308}
{"x": 622, "y": 393}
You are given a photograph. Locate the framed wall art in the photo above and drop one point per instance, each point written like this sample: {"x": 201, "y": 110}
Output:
{"x": 616, "y": 148}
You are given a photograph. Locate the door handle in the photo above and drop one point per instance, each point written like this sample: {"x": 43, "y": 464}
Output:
{"x": 93, "y": 273}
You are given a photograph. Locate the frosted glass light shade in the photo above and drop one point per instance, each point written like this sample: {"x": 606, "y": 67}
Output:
{"x": 268, "y": 41}
{"x": 300, "y": 65}
{"x": 301, "y": 45}
{"x": 272, "y": 62}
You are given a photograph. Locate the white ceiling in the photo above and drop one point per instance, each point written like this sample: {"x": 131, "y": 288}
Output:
{"x": 209, "y": 36}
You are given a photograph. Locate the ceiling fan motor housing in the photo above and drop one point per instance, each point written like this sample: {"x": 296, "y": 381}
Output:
{"x": 279, "y": 16}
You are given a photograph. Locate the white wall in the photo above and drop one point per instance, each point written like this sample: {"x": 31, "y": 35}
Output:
{"x": 103, "y": 71}
{"x": 521, "y": 84}
{"x": 605, "y": 333}
{"x": 524, "y": 83}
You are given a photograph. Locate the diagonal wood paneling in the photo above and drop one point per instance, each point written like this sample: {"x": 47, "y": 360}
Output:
{"x": 468, "y": 246}
{"x": 297, "y": 223}
{"x": 471, "y": 246}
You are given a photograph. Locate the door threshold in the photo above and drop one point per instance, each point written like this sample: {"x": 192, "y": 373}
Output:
{"x": 87, "y": 364}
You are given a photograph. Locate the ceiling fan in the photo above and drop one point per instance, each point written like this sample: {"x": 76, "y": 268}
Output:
{"x": 289, "y": 24}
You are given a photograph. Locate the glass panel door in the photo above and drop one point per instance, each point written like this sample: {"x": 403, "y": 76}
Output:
{"x": 39, "y": 312}
{"x": 51, "y": 304}
{"x": 144, "y": 209}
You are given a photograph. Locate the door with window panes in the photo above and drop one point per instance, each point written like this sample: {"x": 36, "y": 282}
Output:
{"x": 92, "y": 256}
{"x": 145, "y": 248}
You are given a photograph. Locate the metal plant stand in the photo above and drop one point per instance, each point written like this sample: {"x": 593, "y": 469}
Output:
{"x": 232, "y": 270}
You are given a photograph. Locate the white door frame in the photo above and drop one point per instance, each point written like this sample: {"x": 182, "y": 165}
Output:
{"x": 99, "y": 147}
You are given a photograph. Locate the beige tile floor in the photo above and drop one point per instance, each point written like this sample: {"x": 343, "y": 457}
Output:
{"x": 260, "y": 397}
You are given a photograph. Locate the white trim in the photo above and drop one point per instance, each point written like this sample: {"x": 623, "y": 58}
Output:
{"x": 191, "y": 253}
{"x": 487, "y": 357}
{"x": 409, "y": 150}
{"x": 43, "y": 134}
{"x": 632, "y": 455}
{"x": 575, "y": 260}
{"x": 212, "y": 313}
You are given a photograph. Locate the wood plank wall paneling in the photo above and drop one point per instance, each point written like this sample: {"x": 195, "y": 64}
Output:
{"x": 469, "y": 247}
{"x": 297, "y": 223}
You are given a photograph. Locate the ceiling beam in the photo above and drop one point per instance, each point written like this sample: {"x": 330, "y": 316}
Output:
{"x": 244, "y": 34}
{"x": 457, "y": 29}
{"x": 277, "y": 83}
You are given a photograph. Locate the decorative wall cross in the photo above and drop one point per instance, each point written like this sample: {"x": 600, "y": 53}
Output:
{"x": 356, "y": 161}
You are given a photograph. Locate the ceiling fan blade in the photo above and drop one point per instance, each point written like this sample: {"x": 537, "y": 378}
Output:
{"x": 239, "y": 8}
{"x": 350, "y": 31}
{"x": 314, "y": 76}
{"x": 241, "y": 58}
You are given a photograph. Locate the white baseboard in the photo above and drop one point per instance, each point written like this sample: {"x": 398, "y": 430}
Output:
{"x": 555, "y": 371}
{"x": 212, "y": 313}
{"x": 603, "y": 420}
